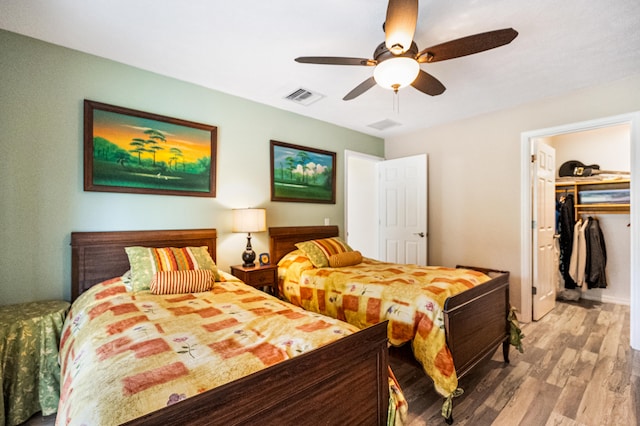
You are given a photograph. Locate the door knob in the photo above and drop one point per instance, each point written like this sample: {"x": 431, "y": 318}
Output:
{"x": 420, "y": 234}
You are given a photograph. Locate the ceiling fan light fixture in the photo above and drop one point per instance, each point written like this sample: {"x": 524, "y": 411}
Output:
{"x": 396, "y": 73}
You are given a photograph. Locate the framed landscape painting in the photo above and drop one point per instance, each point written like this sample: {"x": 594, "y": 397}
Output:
{"x": 302, "y": 174}
{"x": 133, "y": 151}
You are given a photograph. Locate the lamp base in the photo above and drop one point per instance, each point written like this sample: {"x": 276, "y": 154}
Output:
{"x": 248, "y": 256}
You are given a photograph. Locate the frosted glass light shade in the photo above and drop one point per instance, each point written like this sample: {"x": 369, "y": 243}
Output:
{"x": 249, "y": 220}
{"x": 396, "y": 73}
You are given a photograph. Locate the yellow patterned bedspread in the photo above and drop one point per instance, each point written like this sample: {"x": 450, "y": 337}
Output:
{"x": 124, "y": 354}
{"x": 411, "y": 297}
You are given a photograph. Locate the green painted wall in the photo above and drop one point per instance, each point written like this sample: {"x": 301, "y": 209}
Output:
{"x": 42, "y": 88}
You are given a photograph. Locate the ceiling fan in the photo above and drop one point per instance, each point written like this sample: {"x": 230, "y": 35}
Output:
{"x": 397, "y": 60}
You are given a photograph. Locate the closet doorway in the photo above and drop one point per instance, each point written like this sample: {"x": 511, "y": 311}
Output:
{"x": 632, "y": 121}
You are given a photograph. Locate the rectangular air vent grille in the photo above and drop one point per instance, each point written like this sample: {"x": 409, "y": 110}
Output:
{"x": 384, "y": 124}
{"x": 304, "y": 97}
{"x": 299, "y": 95}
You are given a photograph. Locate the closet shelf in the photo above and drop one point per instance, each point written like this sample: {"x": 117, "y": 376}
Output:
{"x": 576, "y": 187}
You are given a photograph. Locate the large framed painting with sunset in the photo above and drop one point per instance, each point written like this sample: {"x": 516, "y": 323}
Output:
{"x": 133, "y": 151}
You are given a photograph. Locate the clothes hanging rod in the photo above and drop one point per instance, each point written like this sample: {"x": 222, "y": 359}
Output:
{"x": 594, "y": 212}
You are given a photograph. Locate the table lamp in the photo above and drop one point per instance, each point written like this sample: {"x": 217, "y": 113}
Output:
{"x": 249, "y": 220}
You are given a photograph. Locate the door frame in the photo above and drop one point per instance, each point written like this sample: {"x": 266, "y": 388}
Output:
{"x": 526, "y": 281}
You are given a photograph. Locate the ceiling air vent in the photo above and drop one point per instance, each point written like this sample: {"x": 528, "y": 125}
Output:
{"x": 384, "y": 124}
{"x": 304, "y": 97}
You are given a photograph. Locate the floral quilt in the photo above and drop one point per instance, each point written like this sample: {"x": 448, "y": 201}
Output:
{"x": 125, "y": 354}
{"x": 411, "y": 297}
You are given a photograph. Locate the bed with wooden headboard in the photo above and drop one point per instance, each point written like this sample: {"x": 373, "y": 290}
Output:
{"x": 317, "y": 386}
{"x": 475, "y": 320}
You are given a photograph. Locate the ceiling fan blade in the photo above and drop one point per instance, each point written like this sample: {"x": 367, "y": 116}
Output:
{"x": 400, "y": 25}
{"x": 428, "y": 84}
{"x": 467, "y": 45}
{"x": 335, "y": 60}
{"x": 360, "y": 89}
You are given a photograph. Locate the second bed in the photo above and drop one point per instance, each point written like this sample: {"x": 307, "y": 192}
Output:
{"x": 453, "y": 317}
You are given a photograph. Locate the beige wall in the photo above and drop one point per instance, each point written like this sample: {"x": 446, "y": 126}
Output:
{"x": 609, "y": 147}
{"x": 42, "y": 88}
{"x": 475, "y": 170}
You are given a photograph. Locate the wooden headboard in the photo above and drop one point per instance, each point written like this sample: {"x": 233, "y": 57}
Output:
{"x": 99, "y": 256}
{"x": 283, "y": 239}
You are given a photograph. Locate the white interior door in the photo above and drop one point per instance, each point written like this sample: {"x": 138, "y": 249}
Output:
{"x": 403, "y": 210}
{"x": 544, "y": 219}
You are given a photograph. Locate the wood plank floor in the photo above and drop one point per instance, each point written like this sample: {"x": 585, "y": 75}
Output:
{"x": 577, "y": 369}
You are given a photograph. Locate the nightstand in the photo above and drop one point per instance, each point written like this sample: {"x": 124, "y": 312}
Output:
{"x": 258, "y": 276}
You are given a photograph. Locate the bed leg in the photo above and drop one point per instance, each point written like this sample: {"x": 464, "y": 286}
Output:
{"x": 505, "y": 351}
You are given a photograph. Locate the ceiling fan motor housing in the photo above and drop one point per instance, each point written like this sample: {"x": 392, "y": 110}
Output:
{"x": 381, "y": 53}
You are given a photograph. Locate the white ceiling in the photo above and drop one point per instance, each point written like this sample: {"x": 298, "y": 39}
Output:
{"x": 247, "y": 48}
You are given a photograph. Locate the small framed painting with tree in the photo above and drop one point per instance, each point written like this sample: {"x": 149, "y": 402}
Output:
{"x": 302, "y": 174}
{"x": 133, "y": 151}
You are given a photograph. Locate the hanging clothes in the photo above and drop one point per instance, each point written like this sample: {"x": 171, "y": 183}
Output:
{"x": 565, "y": 228}
{"x": 573, "y": 263}
{"x": 579, "y": 252}
{"x": 596, "y": 257}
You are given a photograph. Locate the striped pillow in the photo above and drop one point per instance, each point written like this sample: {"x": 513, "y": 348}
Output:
{"x": 145, "y": 262}
{"x": 177, "y": 282}
{"x": 319, "y": 251}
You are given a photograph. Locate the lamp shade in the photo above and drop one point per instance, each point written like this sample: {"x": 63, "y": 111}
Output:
{"x": 396, "y": 73}
{"x": 249, "y": 220}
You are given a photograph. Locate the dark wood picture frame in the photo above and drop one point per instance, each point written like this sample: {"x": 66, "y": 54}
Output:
{"x": 302, "y": 174}
{"x": 132, "y": 151}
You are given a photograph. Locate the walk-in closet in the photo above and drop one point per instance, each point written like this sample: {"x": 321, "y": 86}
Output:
{"x": 598, "y": 189}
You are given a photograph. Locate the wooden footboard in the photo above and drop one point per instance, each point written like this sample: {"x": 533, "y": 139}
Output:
{"x": 344, "y": 382}
{"x": 476, "y": 321}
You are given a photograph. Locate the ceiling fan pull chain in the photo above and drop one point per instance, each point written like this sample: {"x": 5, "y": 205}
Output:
{"x": 396, "y": 102}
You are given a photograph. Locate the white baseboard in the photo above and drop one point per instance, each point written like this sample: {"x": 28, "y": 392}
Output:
{"x": 605, "y": 299}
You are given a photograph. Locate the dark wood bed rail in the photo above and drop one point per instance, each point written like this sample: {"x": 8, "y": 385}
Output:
{"x": 476, "y": 321}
